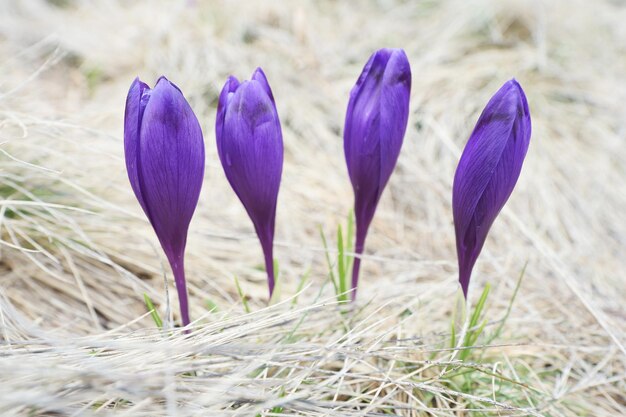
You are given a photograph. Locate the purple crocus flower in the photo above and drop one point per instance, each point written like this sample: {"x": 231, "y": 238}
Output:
{"x": 376, "y": 121}
{"x": 164, "y": 153}
{"x": 250, "y": 147}
{"x": 487, "y": 172}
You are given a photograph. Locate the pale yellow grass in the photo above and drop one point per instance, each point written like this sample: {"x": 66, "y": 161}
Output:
{"x": 77, "y": 254}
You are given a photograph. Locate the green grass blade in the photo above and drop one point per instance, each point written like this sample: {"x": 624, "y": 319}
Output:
{"x": 242, "y": 296}
{"x": 350, "y": 231}
{"x": 277, "y": 284}
{"x": 153, "y": 311}
{"x": 341, "y": 267}
{"x": 477, "y": 333}
{"x": 480, "y": 306}
{"x": 350, "y": 242}
{"x": 301, "y": 284}
{"x": 496, "y": 334}
{"x": 331, "y": 273}
{"x": 472, "y": 332}
{"x": 211, "y": 306}
{"x": 453, "y": 333}
{"x": 276, "y": 270}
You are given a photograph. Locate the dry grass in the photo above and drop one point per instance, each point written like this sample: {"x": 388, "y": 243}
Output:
{"x": 77, "y": 255}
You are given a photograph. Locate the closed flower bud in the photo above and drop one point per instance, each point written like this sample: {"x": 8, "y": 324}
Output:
{"x": 164, "y": 153}
{"x": 250, "y": 147}
{"x": 376, "y": 121}
{"x": 488, "y": 170}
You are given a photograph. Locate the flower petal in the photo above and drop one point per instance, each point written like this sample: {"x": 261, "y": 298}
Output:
{"x": 394, "y": 110}
{"x": 250, "y": 147}
{"x": 136, "y": 101}
{"x": 376, "y": 121}
{"x": 361, "y": 132}
{"x": 259, "y": 76}
{"x": 228, "y": 91}
{"x": 488, "y": 171}
{"x": 171, "y": 164}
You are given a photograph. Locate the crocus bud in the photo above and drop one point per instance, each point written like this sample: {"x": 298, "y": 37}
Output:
{"x": 164, "y": 153}
{"x": 376, "y": 121}
{"x": 487, "y": 172}
{"x": 250, "y": 147}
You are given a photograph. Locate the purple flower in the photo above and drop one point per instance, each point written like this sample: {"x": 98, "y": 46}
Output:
{"x": 165, "y": 162}
{"x": 487, "y": 172}
{"x": 376, "y": 121}
{"x": 250, "y": 146}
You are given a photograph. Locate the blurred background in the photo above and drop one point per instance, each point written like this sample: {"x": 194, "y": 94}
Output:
{"x": 77, "y": 254}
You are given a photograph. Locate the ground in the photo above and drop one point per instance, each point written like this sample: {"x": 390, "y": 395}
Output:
{"x": 77, "y": 254}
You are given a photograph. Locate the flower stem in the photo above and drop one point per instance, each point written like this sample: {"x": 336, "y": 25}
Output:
{"x": 359, "y": 245}
{"x": 178, "y": 268}
{"x": 268, "y": 253}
